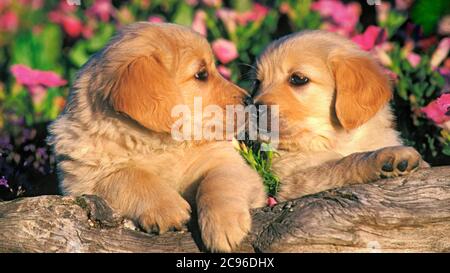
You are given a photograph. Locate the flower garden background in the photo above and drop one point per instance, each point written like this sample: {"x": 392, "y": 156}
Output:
{"x": 44, "y": 43}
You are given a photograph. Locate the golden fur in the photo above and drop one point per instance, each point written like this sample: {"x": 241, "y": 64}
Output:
{"x": 113, "y": 138}
{"x": 333, "y": 129}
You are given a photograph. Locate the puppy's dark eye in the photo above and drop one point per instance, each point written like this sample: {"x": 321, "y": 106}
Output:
{"x": 298, "y": 80}
{"x": 202, "y": 75}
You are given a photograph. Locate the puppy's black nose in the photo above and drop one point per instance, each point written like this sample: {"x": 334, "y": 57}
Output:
{"x": 248, "y": 100}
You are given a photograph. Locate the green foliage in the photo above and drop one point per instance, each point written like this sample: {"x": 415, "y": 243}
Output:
{"x": 261, "y": 160}
{"x": 416, "y": 87}
{"x": 427, "y": 13}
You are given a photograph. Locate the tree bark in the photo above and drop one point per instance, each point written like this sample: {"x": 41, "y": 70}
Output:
{"x": 406, "y": 214}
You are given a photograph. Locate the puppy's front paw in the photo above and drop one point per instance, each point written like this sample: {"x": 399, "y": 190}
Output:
{"x": 162, "y": 215}
{"x": 223, "y": 228}
{"x": 397, "y": 161}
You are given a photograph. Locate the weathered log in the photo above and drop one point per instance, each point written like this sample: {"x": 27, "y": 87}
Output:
{"x": 406, "y": 214}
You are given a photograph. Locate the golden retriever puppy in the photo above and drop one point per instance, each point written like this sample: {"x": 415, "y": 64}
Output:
{"x": 114, "y": 138}
{"x": 335, "y": 123}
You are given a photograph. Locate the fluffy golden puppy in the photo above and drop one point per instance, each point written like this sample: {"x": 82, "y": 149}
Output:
{"x": 335, "y": 123}
{"x": 114, "y": 137}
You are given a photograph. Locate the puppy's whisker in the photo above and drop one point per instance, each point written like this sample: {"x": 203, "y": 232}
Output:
{"x": 249, "y": 65}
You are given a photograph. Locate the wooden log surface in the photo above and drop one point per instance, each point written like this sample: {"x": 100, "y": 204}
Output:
{"x": 406, "y": 214}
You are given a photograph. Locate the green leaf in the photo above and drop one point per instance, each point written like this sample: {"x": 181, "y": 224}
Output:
{"x": 97, "y": 42}
{"x": 78, "y": 54}
{"x": 49, "y": 42}
{"x": 183, "y": 15}
{"x": 428, "y": 13}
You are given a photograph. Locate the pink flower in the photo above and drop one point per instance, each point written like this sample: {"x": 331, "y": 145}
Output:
{"x": 440, "y": 53}
{"x": 72, "y": 26}
{"x": 257, "y": 13}
{"x": 156, "y": 19}
{"x": 4, "y": 4}
{"x": 383, "y": 11}
{"x": 199, "y": 24}
{"x": 344, "y": 17}
{"x": 370, "y": 38}
{"x": 271, "y": 201}
{"x": 35, "y": 4}
{"x": 224, "y": 71}
{"x": 228, "y": 17}
{"x": 65, "y": 7}
{"x": 444, "y": 102}
{"x": 64, "y": 16}
{"x": 391, "y": 74}
{"x": 438, "y": 110}
{"x": 36, "y": 81}
{"x": 413, "y": 59}
{"x": 224, "y": 50}
{"x": 103, "y": 9}
{"x": 403, "y": 4}
{"x": 29, "y": 77}
{"x": 88, "y": 32}
{"x": 9, "y": 22}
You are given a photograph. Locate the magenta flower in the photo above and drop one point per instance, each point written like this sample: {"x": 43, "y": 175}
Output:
{"x": 4, "y": 182}
{"x": 72, "y": 26}
{"x": 27, "y": 76}
{"x": 9, "y": 22}
{"x": 370, "y": 38}
{"x": 224, "y": 71}
{"x": 257, "y": 13}
{"x": 156, "y": 19}
{"x": 413, "y": 59}
{"x": 344, "y": 18}
{"x": 199, "y": 22}
{"x": 64, "y": 16}
{"x": 102, "y": 9}
{"x": 224, "y": 50}
{"x": 271, "y": 201}
{"x": 439, "y": 109}
{"x": 36, "y": 81}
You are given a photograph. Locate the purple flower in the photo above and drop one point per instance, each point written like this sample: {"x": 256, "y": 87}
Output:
{"x": 4, "y": 182}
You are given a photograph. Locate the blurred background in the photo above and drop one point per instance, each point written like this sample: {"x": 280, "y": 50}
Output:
{"x": 44, "y": 43}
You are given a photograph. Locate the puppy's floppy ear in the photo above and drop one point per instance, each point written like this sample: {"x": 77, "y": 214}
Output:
{"x": 145, "y": 92}
{"x": 361, "y": 88}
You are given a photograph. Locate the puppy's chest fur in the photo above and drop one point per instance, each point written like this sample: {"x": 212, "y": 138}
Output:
{"x": 104, "y": 146}
{"x": 377, "y": 133}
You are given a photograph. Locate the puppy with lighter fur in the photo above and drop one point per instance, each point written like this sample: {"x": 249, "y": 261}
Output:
{"x": 114, "y": 140}
{"x": 336, "y": 125}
